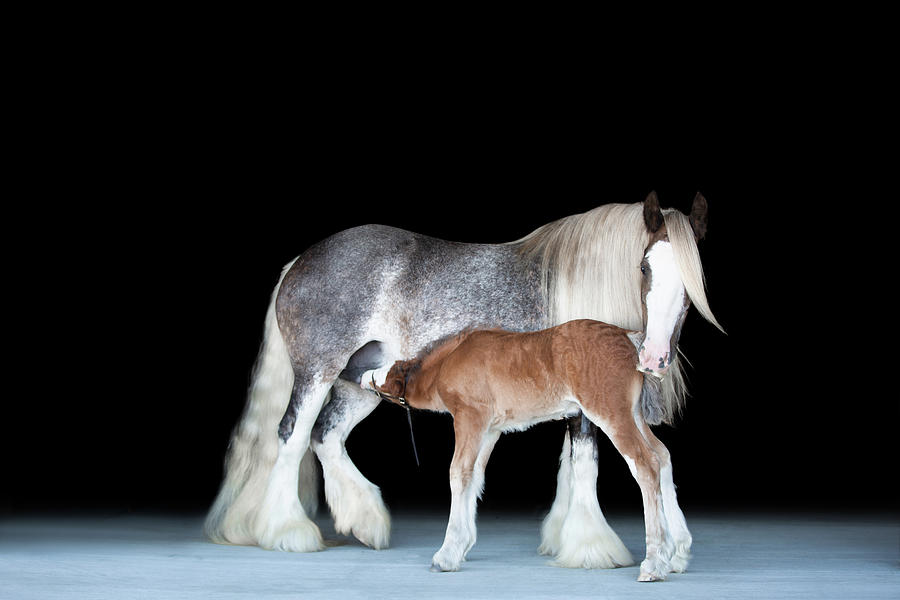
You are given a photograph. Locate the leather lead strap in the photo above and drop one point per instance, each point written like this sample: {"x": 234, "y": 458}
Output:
{"x": 402, "y": 402}
{"x": 411, "y": 436}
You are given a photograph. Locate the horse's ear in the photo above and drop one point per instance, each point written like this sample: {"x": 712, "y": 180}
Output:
{"x": 653, "y": 216}
{"x": 698, "y": 216}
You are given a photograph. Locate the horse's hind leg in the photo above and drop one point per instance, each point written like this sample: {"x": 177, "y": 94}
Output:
{"x": 677, "y": 526}
{"x": 585, "y": 539}
{"x": 282, "y": 523}
{"x": 355, "y": 502}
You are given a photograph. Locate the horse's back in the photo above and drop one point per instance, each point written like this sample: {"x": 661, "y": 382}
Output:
{"x": 414, "y": 267}
{"x": 414, "y": 287}
{"x": 354, "y": 256}
{"x": 333, "y": 287}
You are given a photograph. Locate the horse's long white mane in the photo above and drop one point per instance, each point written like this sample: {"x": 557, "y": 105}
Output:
{"x": 590, "y": 269}
{"x": 681, "y": 236}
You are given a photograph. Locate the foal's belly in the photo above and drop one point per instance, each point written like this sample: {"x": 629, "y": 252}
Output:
{"x": 520, "y": 415}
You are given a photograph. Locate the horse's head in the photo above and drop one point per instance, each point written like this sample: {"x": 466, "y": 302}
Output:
{"x": 663, "y": 297}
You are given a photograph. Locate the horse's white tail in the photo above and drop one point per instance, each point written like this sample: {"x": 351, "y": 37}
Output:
{"x": 254, "y": 443}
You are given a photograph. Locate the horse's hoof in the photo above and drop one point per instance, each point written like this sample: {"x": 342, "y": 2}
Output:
{"x": 375, "y": 530}
{"x": 376, "y": 539}
{"x": 295, "y": 536}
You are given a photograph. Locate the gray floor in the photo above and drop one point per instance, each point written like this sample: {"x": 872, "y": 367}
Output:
{"x": 735, "y": 556}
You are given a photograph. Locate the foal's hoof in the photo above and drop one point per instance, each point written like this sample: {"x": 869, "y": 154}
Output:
{"x": 644, "y": 577}
{"x": 441, "y": 563}
{"x": 653, "y": 568}
{"x": 436, "y": 568}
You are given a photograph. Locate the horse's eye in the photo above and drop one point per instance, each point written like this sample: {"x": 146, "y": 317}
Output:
{"x": 643, "y": 270}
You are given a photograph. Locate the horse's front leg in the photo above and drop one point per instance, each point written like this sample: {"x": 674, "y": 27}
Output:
{"x": 585, "y": 539}
{"x": 551, "y": 528}
{"x": 464, "y": 490}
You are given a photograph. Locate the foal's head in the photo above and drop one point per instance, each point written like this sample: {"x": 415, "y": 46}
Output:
{"x": 396, "y": 380}
{"x": 663, "y": 297}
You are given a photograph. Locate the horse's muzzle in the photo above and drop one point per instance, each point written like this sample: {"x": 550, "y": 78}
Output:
{"x": 655, "y": 360}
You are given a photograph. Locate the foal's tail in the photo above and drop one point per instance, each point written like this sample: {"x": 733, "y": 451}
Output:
{"x": 254, "y": 443}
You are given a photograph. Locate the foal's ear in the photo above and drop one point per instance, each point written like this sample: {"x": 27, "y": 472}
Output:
{"x": 394, "y": 379}
{"x": 653, "y": 217}
{"x": 405, "y": 367}
{"x": 698, "y": 216}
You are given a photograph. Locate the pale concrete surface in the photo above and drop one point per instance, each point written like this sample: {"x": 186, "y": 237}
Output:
{"x": 735, "y": 556}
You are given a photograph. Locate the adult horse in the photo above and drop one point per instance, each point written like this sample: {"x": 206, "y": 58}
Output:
{"x": 369, "y": 296}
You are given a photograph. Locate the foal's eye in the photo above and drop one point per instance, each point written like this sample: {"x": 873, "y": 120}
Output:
{"x": 643, "y": 269}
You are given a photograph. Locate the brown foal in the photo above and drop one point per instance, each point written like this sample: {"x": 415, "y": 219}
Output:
{"x": 494, "y": 381}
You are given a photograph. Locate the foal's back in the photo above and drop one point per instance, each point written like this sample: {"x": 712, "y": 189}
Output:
{"x": 522, "y": 378}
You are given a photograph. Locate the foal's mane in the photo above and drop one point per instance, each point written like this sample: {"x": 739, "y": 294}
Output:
{"x": 437, "y": 350}
{"x": 589, "y": 265}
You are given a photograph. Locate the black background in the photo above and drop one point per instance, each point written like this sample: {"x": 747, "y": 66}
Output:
{"x": 155, "y": 230}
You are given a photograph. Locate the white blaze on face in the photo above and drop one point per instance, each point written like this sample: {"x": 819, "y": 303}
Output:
{"x": 379, "y": 375}
{"x": 665, "y": 302}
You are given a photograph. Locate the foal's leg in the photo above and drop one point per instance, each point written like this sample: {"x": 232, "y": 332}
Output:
{"x": 355, "y": 502}
{"x": 470, "y": 439}
{"x": 475, "y": 490}
{"x": 644, "y": 464}
{"x": 585, "y": 539}
{"x": 677, "y": 526}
